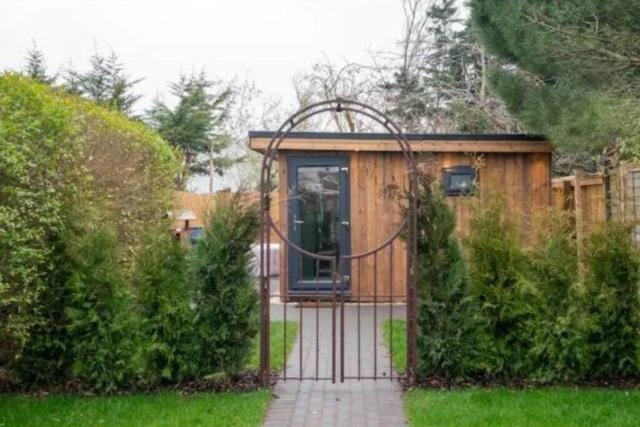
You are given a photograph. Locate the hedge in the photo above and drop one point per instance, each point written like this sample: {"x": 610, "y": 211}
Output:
{"x": 66, "y": 166}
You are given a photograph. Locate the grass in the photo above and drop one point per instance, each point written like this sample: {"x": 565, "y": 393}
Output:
{"x": 541, "y": 407}
{"x": 276, "y": 356}
{"x": 164, "y": 409}
{"x": 155, "y": 410}
{"x": 396, "y": 329}
{"x": 560, "y": 406}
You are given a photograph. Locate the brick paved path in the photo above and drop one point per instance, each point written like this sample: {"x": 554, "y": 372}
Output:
{"x": 352, "y": 403}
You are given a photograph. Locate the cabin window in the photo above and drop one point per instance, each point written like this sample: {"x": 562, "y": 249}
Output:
{"x": 458, "y": 180}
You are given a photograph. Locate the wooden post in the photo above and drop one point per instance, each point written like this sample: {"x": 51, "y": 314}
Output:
{"x": 577, "y": 203}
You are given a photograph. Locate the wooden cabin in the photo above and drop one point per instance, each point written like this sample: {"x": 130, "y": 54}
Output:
{"x": 338, "y": 193}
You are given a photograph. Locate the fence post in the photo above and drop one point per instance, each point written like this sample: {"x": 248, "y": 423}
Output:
{"x": 577, "y": 203}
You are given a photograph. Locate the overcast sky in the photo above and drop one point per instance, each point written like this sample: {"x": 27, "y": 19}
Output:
{"x": 267, "y": 41}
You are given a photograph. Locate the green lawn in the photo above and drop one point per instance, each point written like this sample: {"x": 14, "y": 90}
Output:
{"x": 542, "y": 407}
{"x": 163, "y": 409}
{"x": 276, "y": 356}
{"x": 398, "y": 327}
{"x": 503, "y": 407}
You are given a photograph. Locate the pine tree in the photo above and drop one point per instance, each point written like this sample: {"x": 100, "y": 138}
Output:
{"x": 570, "y": 69}
{"x": 36, "y": 67}
{"x": 105, "y": 83}
{"x": 440, "y": 82}
{"x": 196, "y": 124}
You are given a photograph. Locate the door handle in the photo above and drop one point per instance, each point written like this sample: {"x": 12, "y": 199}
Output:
{"x": 345, "y": 223}
{"x": 297, "y": 222}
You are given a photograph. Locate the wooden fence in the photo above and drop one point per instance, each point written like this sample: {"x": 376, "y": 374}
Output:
{"x": 587, "y": 197}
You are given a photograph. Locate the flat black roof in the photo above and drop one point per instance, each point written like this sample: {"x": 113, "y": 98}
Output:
{"x": 408, "y": 136}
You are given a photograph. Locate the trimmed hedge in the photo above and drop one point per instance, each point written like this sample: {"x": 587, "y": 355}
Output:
{"x": 68, "y": 167}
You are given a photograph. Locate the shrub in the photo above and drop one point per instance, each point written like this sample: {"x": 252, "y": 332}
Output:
{"x": 38, "y": 173}
{"x": 447, "y": 333}
{"x": 611, "y": 308}
{"x": 45, "y": 358}
{"x": 101, "y": 329}
{"x": 557, "y": 348}
{"x": 226, "y": 297}
{"x": 162, "y": 295}
{"x": 496, "y": 265}
{"x": 62, "y": 155}
{"x": 131, "y": 169}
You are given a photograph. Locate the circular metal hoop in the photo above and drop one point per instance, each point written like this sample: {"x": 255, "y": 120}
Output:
{"x": 339, "y": 106}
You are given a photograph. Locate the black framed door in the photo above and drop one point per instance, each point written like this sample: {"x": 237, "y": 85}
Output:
{"x": 319, "y": 222}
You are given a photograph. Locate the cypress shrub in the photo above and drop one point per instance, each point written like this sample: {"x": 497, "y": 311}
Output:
{"x": 101, "y": 329}
{"x": 496, "y": 265}
{"x": 167, "y": 321}
{"x": 448, "y": 342}
{"x": 610, "y": 306}
{"x": 557, "y": 348}
{"x": 226, "y": 296}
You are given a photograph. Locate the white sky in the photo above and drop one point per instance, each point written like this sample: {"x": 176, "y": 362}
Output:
{"x": 267, "y": 41}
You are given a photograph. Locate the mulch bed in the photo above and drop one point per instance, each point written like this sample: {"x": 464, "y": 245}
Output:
{"x": 215, "y": 383}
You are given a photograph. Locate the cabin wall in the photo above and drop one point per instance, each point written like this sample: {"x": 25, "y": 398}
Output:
{"x": 378, "y": 180}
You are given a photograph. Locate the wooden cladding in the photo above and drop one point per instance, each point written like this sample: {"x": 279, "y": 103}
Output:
{"x": 378, "y": 181}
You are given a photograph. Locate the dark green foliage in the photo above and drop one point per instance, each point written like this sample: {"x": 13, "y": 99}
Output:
{"x": 557, "y": 350}
{"x": 448, "y": 344}
{"x": 576, "y": 69}
{"x": 167, "y": 321}
{"x": 611, "y": 306}
{"x": 226, "y": 295}
{"x": 496, "y": 264}
{"x": 100, "y": 325}
{"x": 196, "y": 124}
{"x": 45, "y": 358}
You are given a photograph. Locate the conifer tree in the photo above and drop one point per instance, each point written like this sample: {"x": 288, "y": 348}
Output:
{"x": 105, "y": 83}
{"x": 570, "y": 69}
{"x": 196, "y": 125}
{"x": 36, "y": 66}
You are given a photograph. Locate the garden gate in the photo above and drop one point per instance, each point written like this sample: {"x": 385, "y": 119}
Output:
{"x": 321, "y": 278}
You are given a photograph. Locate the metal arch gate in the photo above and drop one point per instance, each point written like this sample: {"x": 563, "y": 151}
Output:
{"x": 337, "y": 264}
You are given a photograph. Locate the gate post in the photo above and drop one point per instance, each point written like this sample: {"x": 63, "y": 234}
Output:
{"x": 412, "y": 294}
{"x": 265, "y": 369}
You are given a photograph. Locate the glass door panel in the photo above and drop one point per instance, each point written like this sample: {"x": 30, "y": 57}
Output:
{"x": 319, "y": 219}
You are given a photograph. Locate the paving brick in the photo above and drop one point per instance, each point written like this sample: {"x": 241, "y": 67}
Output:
{"x": 351, "y": 403}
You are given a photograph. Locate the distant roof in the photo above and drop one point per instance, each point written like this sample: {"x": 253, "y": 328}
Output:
{"x": 425, "y": 142}
{"x": 408, "y": 136}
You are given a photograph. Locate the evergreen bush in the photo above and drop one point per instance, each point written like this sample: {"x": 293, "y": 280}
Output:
{"x": 102, "y": 331}
{"x": 557, "y": 350}
{"x": 448, "y": 343}
{"x": 611, "y": 305}
{"x": 226, "y": 295}
{"x": 163, "y": 294}
{"x": 496, "y": 265}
